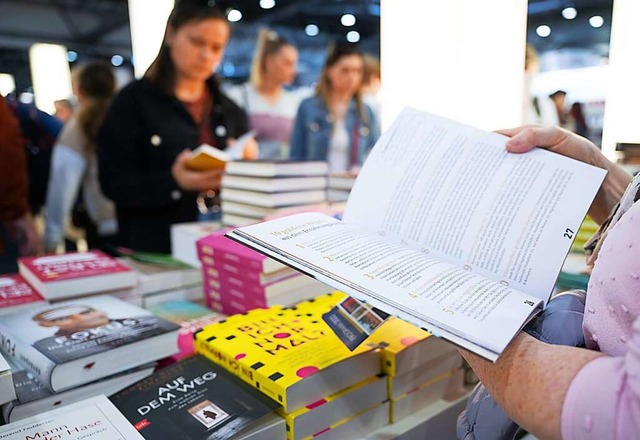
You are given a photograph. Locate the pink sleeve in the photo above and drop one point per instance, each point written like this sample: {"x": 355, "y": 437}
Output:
{"x": 603, "y": 401}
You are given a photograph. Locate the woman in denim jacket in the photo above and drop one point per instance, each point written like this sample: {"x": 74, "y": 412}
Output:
{"x": 334, "y": 124}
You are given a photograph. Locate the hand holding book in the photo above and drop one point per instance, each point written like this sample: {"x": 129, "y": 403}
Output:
{"x": 195, "y": 180}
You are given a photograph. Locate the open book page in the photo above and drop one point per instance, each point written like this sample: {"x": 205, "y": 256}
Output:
{"x": 454, "y": 192}
{"x": 443, "y": 298}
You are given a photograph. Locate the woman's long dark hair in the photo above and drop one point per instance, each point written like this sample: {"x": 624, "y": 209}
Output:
{"x": 162, "y": 72}
{"x": 335, "y": 53}
{"x": 96, "y": 83}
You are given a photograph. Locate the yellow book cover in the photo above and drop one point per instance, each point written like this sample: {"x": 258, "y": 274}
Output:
{"x": 330, "y": 410}
{"x": 290, "y": 354}
{"x": 405, "y": 346}
{"x": 206, "y": 157}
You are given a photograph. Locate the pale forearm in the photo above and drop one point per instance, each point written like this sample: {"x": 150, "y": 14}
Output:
{"x": 530, "y": 381}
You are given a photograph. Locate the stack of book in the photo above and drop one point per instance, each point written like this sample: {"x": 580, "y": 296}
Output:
{"x": 340, "y": 185}
{"x": 252, "y": 190}
{"x": 237, "y": 279}
{"x": 418, "y": 366}
{"x": 291, "y": 355}
{"x": 72, "y": 349}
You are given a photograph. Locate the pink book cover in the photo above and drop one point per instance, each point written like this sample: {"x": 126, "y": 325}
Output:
{"x": 222, "y": 249}
{"x": 69, "y": 266}
{"x": 228, "y": 306}
{"x": 14, "y": 291}
{"x": 249, "y": 288}
{"x": 224, "y": 295}
{"x": 203, "y": 244}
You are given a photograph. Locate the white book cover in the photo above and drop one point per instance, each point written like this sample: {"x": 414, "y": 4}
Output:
{"x": 95, "y": 419}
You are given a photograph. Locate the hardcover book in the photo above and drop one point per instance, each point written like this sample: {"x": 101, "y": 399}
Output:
{"x": 72, "y": 343}
{"x": 95, "y": 419}
{"x": 73, "y": 274}
{"x": 193, "y": 399}
{"x": 33, "y": 397}
{"x": 221, "y": 249}
{"x": 461, "y": 237}
{"x": 16, "y": 294}
{"x": 289, "y": 354}
{"x": 274, "y": 200}
{"x": 271, "y": 168}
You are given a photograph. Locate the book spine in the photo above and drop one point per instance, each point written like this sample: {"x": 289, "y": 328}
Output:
{"x": 26, "y": 354}
{"x": 220, "y": 270}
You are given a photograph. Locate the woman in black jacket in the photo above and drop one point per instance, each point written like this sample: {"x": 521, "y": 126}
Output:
{"x": 153, "y": 123}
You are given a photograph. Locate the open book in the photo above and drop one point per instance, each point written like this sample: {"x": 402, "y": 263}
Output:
{"x": 444, "y": 229}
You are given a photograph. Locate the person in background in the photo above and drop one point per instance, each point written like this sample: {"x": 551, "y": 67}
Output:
{"x": 18, "y": 235}
{"x": 270, "y": 107}
{"x": 64, "y": 110}
{"x": 537, "y": 109}
{"x": 576, "y": 114}
{"x": 153, "y": 123}
{"x": 40, "y": 131}
{"x": 74, "y": 163}
{"x": 371, "y": 84}
{"x": 559, "y": 391}
{"x": 335, "y": 125}
{"x": 559, "y": 98}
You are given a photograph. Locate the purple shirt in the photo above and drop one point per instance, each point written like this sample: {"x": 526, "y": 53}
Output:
{"x": 603, "y": 401}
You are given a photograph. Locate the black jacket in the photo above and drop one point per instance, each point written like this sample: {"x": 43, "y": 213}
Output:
{"x": 143, "y": 133}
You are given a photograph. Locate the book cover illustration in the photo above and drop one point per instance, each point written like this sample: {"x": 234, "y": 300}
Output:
{"x": 71, "y": 330}
{"x": 277, "y": 348}
{"x": 73, "y": 265}
{"x": 193, "y": 399}
{"x": 14, "y": 291}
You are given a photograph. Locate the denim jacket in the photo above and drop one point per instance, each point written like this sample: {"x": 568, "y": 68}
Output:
{"x": 313, "y": 129}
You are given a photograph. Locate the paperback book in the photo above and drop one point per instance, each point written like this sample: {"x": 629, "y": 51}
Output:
{"x": 461, "y": 237}
{"x": 193, "y": 399}
{"x": 72, "y": 343}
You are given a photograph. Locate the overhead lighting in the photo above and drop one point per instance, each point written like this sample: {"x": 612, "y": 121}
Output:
{"x": 570, "y": 13}
{"x": 117, "y": 60}
{"x": 234, "y": 15}
{"x": 348, "y": 20}
{"x": 543, "y": 31}
{"x": 311, "y": 30}
{"x": 267, "y": 4}
{"x": 596, "y": 21}
{"x": 353, "y": 36}
{"x": 50, "y": 74}
{"x": 7, "y": 84}
{"x": 72, "y": 56}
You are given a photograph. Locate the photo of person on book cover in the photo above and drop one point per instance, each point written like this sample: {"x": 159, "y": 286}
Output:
{"x": 85, "y": 329}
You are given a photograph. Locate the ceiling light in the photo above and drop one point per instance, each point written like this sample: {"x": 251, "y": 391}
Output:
{"x": 117, "y": 60}
{"x": 311, "y": 30}
{"x": 353, "y": 37}
{"x": 234, "y": 15}
{"x": 72, "y": 56}
{"x": 267, "y": 4}
{"x": 348, "y": 20}
{"x": 596, "y": 21}
{"x": 569, "y": 13}
{"x": 543, "y": 31}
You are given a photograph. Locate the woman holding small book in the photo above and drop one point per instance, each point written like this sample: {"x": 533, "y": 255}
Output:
{"x": 335, "y": 125}
{"x": 153, "y": 123}
{"x": 561, "y": 391}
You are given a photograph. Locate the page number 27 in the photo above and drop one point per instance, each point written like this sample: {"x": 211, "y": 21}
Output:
{"x": 568, "y": 233}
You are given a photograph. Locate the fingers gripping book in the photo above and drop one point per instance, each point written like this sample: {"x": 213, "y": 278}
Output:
{"x": 445, "y": 229}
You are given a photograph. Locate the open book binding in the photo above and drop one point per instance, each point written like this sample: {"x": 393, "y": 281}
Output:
{"x": 444, "y": 229}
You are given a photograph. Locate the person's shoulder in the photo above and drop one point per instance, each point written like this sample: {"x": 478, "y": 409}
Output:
{"x": 72, "y": 135}
{"x": 311, "y": 102}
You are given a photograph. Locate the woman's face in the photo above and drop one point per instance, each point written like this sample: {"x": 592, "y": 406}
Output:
{"x": 283, "y": 65}
{"x": 345, "y": 76}
{"x": 197, "y": 47}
